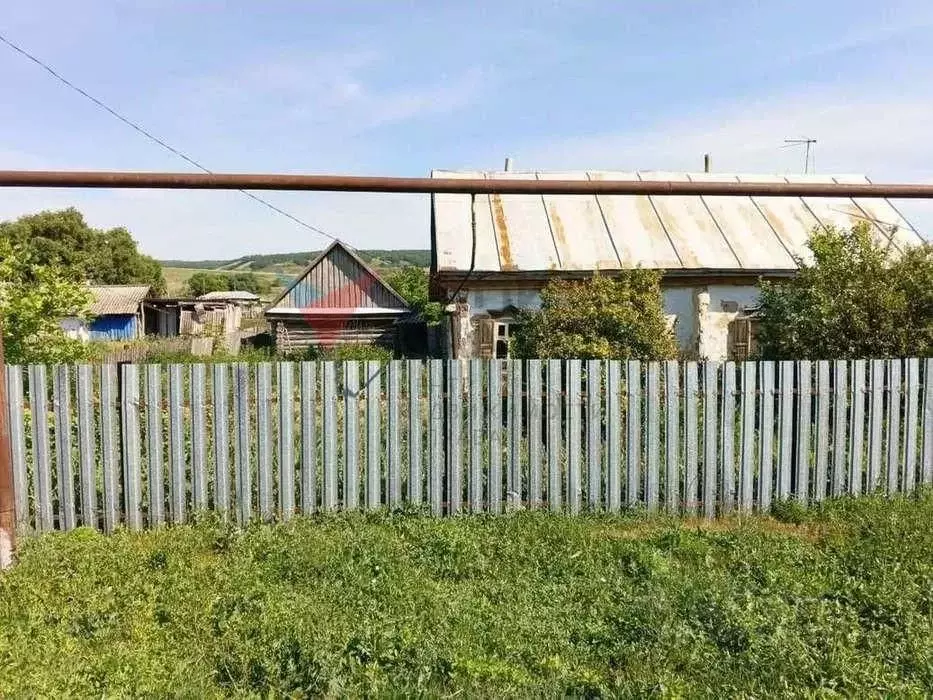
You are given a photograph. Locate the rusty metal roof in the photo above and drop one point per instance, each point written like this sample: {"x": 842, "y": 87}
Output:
{"x": 117, "y": 299}
{"x": 535, "y": 233}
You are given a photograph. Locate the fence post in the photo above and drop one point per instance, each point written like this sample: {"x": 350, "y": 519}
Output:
{"x": 7, "y": 501}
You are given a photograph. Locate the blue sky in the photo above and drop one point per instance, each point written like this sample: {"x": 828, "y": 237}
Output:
{"x": 403, "y": 87}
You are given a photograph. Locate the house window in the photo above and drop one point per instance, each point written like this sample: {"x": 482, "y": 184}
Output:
{"x": 743, "y": 338}
{"x": 502, "y": 339}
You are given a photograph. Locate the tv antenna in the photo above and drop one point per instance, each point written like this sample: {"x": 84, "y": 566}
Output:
{"x": 806, "y": 159}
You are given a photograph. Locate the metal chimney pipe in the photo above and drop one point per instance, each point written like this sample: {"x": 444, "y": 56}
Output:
{"x": 508, "y": 164}
{"x": 707, "y": 163}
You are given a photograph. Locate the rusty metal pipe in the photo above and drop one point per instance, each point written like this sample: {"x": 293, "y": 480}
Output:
{"x": 353, "y": 183}
{"x": 7, "y": 500}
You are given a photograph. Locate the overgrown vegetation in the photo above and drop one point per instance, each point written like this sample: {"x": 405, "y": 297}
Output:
{"x": 530, "y": 605}
{"x": 857, "y": 299}
{"x": 598, "y": 318}
{"x": 204, "y": 282}
{"x": 412, "y": 284}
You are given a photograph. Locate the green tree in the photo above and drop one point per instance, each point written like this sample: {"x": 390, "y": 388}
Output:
{"x": 248, "y": 282}
{"x": 598, "y": 318}
{"x": 203, "y": 282}
{"x": 855, "y": 300}
{"x": 33, "y": 300}
{"x": 411, "y": 283}
{"x": 64, "y": 240}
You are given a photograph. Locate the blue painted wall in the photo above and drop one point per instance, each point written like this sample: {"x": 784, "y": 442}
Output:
{"x": 116, "y": 327}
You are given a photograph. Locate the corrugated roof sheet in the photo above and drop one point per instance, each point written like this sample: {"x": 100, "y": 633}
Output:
{"x": 230, "y": 296}
{"x": 117, "y": 299}
{"x": 536, "y": 233}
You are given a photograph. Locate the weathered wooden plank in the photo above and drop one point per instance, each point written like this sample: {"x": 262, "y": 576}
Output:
{"x": 633, "y": 424}
{"x": 893, "y": 423}
{"x": 672, "y": 436}
{"x": 285, "y": 376}
{"x": 436, "y": 436}
{"x": 475, "y": 485}
{"x": 17, "y": 425}
{"x": 727, "y": 439}
{"x": 710, "y": 436}
{"x": 243, "y": 484}
{"x": 747, "y": 457}
{"x": 394, "y": 436}
{"x": 786, "y": 420}
{"x": 822, "y": 430}
{"x": 220, "y": 401}
{"x": 573, "y": 435}
{"x": 197, "y": 377}
{"x": 554, "y": 420}
{"x": 494, "y": 411}
{"x": 513, "y": 488}
{"x": 534, "y": 434}
{"x": 264, "y": 438}
{"x": 910, "y": 429}
{"x": 840, "y": 415}
{"x": 132, "y": 453}
{"x": 766, "y": 437}
{"x": 108, "y": 444}
{"x": 415, "y": 442}
{"x": 613, "y": 435}
{"x": 875, "y": 413}
{"x": 804, "y": 388}
{"x": 176, "y": 444}
{"x": 309, "y": 450}
{"x": 373, "y": 435}
{"x": 927, "y": 454}
{"x": 351, "y": 431}
{"x": 857, "y": 428}
{"x": 691, "y": 438}
{"x": 61, "y": 400}
{"x": 454, "y": 449}
{"x": 38, "y": 406}
{"x": 653, "y": 437}
{"x": 594, "y": 420}
{"x": 155, "y": 479}
{"x": 329, "y": 433}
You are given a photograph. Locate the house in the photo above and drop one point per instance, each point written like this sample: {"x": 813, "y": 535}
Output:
{"x": 713, "y": 251}
{"x": 337, "y": 299}
{"x": 116, "y": 313}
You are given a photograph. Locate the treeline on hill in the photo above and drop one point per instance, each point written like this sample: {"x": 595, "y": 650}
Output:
{"x": 204, "y": 282}
{"x": 258, "y": 263}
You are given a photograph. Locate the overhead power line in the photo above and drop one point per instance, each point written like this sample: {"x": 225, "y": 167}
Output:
{"x": 152, "y": 137}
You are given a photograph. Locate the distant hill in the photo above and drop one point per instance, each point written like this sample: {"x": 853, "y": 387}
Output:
{"x": 288, "y": 262}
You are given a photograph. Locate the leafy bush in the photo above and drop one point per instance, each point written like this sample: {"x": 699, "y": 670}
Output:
{"x": 412, "y": 285}
{"x": 598, "y": 318}
{"x": 527, "y": 605}
{"x": 856, "y": 300}
{"x": 350, "y": 352}
{"x": 204, "y": 282}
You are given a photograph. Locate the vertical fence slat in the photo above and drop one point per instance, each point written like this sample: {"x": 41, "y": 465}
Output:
{"x": 786, "y": 420}
{"x": 494, "y": 411}
{"x": 653, "y": 437}
{"x": 927, "y": 455}
{"x": 857, "y": 427}
{"x": 613, "y": 436}
{"x": 875, "y": 410}
{"x": 198, "y": 438}
{"x": 17, "y": 424}
{"x": 108, "y": 440}
{"x": 475, "y": 485}
{"x": 893, "y": 425}
{"x": 394, "y": 487}
{"x": 329, "y": 433}
{"x": 766, "y": 437}
{"x": 573, "y": 435}
{"x": 436, "y": 435}
{"x": 132, "y": 457}
{"x": 727, "y": 446}
{"x": 910, "y": 429}
{"x": 633, "y": 424}
{"x": 286, "y": 448}
{"x": 454, "y": 428}
{"x": 38, "y": 406}
{"x": 594, "y": 422}
{"x": 264, "y": 438}
{"x": 514, "y": 472}
{"x": 61, "y": 398}
{"x": 534, "y": 434}
{"x": 373, "y": 435}
{"x": 710, "y": 436}
{"x": 415, "y": 446}
{"x": 242, "y": 446}
{"x": 747, "y": 458}
{"x": 221, "y": 439}
{"x": 351, "y": 431}
{"x": 176, "y": 444}
{"x": 672, "y": 436}
{"x": 840, "y": 409}
{"x": 155, "y": 480}
{"x": 554, "y": 419}
{"x": 691, "y": 438}
{"x": 309, "y": 451}
{"x": 805, "y": 395}
{"x": 822, "y": 429}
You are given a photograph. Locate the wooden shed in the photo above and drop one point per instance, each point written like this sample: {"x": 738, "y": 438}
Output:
{"x": 337, "y": 299}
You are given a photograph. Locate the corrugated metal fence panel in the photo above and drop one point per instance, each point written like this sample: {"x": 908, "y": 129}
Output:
{"x": 17, "y": 424}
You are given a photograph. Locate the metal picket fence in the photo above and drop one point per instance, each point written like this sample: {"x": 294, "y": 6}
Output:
{"x": 142, "y": 445}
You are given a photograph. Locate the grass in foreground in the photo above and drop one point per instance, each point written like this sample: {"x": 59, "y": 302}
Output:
{"x": 839, "y": 603}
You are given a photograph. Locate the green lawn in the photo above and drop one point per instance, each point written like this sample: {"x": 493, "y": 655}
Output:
{"x": 837, "y": 602}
